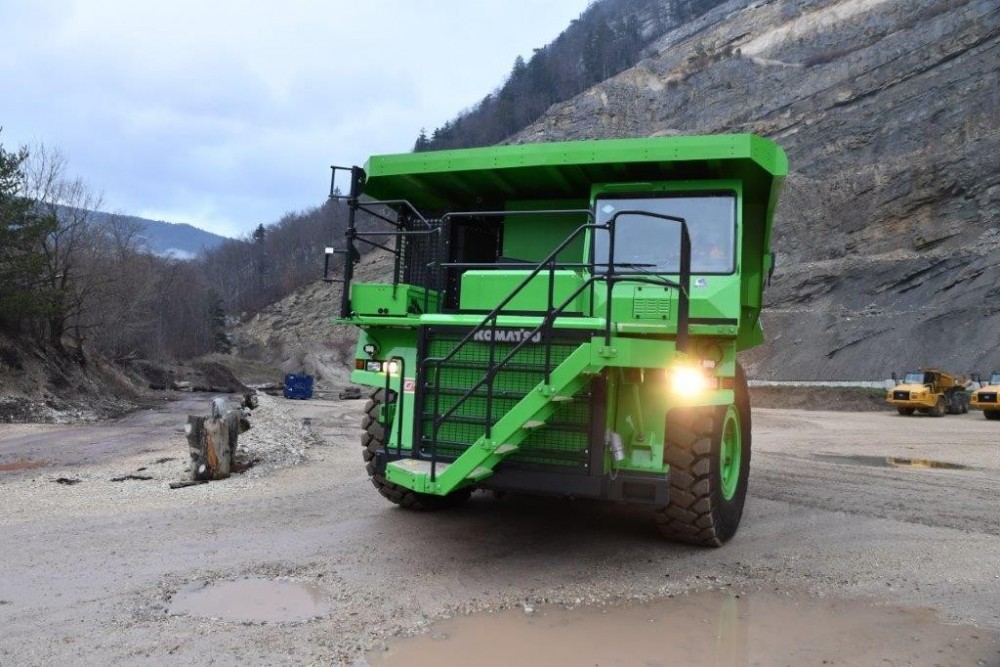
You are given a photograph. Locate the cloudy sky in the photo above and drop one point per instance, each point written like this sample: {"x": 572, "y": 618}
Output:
{"x": 225, "y": 114}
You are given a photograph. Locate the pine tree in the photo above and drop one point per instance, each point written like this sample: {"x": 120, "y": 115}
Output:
{"x": 259, "y": 233}
{"x": 22, "y": 232}
{"x": 422, "y": 143}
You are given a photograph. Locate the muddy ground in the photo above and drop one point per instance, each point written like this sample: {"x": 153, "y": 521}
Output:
{"x": 854, "y": 549}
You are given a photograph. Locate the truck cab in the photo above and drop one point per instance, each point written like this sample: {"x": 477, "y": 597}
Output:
{"x": 985, "y": 398}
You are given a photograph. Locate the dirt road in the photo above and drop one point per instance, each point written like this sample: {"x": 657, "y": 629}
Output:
{"x": 844, "y": 507}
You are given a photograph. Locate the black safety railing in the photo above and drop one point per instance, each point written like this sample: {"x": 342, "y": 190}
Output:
{"x": 610, "y": 277}
{"x": 405, "y": 213}
{"x": 611, "y": 274}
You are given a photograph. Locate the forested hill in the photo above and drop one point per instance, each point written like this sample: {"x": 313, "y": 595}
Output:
{"x": 608, "y": 37}
{"x": 168, "y": 239}
{"x": 176, "y": 239}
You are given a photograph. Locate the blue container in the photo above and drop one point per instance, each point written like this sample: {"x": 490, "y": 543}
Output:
{"x": 298, "y": 386}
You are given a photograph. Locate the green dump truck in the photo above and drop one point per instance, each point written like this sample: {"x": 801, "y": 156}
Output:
{"x": 563, "y": 319}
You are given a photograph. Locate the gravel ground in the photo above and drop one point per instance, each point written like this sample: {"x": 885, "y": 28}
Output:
{"x": 91, "y": 569}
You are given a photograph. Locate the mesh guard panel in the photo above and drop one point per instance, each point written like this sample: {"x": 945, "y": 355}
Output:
{"x": 564, "y": 440}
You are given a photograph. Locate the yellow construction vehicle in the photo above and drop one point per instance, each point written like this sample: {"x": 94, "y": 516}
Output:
{"x": 985, "y": 398}
{"x": 929, "y": 391}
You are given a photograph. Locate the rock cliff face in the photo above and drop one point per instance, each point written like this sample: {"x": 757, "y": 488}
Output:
{"x": 888, "y": 234}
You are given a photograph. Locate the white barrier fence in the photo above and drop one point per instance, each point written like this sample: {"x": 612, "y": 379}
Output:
{"x": 864, "y": 384}
{"x": 861, "y": 384}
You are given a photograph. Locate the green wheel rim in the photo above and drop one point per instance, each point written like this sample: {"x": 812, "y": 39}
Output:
{"x": 731, "y": 454}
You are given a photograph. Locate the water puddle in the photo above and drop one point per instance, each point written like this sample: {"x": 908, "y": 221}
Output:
{"x": 257, "y": 600}
{"x": 719, "y": 629}
{"x": 889, "y": 462}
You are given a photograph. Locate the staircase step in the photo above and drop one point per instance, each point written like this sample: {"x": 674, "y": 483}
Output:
{"x": 533, "y": 423}
{"x": 505, "y": 449}
{"x": 418, "y": 465}
{"x": 561, "y": 399}
{"x": 479, "y": 473}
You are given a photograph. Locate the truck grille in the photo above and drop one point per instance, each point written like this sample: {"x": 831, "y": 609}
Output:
{"x": 987, "y": 397}
{"x": 901, "y": 395}
{"x": 564, "y": 441}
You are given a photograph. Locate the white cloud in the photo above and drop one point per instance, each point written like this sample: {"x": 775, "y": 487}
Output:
{"x": 227, "y": 114}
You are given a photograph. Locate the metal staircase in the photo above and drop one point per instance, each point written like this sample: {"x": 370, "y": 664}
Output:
{"x": 562, "y": 377}
{"x": 505, "y": 437}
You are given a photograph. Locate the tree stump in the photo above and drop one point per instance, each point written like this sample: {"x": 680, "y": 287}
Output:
{"x": 250, "y": 400}
{"x": 212, "y": 442}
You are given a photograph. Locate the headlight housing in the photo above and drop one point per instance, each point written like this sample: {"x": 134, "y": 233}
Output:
{"x": 688, "y": 380}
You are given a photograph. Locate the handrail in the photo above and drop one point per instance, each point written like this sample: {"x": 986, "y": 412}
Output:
{"x": 552, "y": 312}
{"x": 685, "y": 273}
{"x": 492, "y": 316}
{"x": 531, "y": 276}
{"x": 354, "y": 204}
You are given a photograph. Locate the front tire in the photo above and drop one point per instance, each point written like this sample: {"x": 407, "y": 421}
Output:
{"x": 373, "y": 441}
{"x": 991, "y": 414}
{"x": 906, "y": 412}
{"x": 708, "y": 450}
{"x": 939, "y": 408}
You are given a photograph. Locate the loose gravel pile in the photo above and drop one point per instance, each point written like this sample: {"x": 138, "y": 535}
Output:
{"x": 276, "y": 439}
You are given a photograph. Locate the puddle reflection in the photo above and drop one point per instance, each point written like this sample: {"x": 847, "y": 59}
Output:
{"x": 714, "y": 628}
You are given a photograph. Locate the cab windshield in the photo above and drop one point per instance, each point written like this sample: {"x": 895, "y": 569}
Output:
{"x": 654, "y": 244}
{"x": 915, "y": 378}
{"x": 995, "y": 378}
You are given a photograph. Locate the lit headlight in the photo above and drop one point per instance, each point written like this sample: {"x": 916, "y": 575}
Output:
{"x": 392, "y": 367}
{"x": 688, "y": 380}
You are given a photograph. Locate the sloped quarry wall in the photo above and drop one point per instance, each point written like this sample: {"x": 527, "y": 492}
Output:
{"x": 888, "y": 234}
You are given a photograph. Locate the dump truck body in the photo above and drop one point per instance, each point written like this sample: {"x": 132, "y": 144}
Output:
{"x": 564, "y": 319}
{"x": 929, "y": 391}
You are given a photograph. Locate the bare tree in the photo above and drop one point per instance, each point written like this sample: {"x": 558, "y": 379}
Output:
{"x": 69, "y": 279}
{"x": 120, "y": 313}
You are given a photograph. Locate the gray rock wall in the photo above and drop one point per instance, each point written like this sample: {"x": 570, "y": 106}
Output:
{"x": 888, "y": 233}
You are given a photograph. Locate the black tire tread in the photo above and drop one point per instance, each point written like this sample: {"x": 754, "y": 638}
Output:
{"x": 372, "y": 441}
{"x": 690, "y": 515}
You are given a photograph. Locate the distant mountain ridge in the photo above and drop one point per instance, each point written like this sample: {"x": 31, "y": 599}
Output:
{"x": 176, "y": 239}
{"x": 169, "y": 239}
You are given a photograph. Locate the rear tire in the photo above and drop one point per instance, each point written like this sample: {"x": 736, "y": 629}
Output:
{"x": 708, "y": 450}
{"x": 373, "y": 441}
{"x": 906, "y": 411}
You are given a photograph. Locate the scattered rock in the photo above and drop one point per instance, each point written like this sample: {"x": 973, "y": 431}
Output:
{"x": 141, "y": 478}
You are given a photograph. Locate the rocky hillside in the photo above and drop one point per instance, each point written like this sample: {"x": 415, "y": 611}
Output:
{"x": 296, "y": 333}
{"x": 888, "y": 236}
